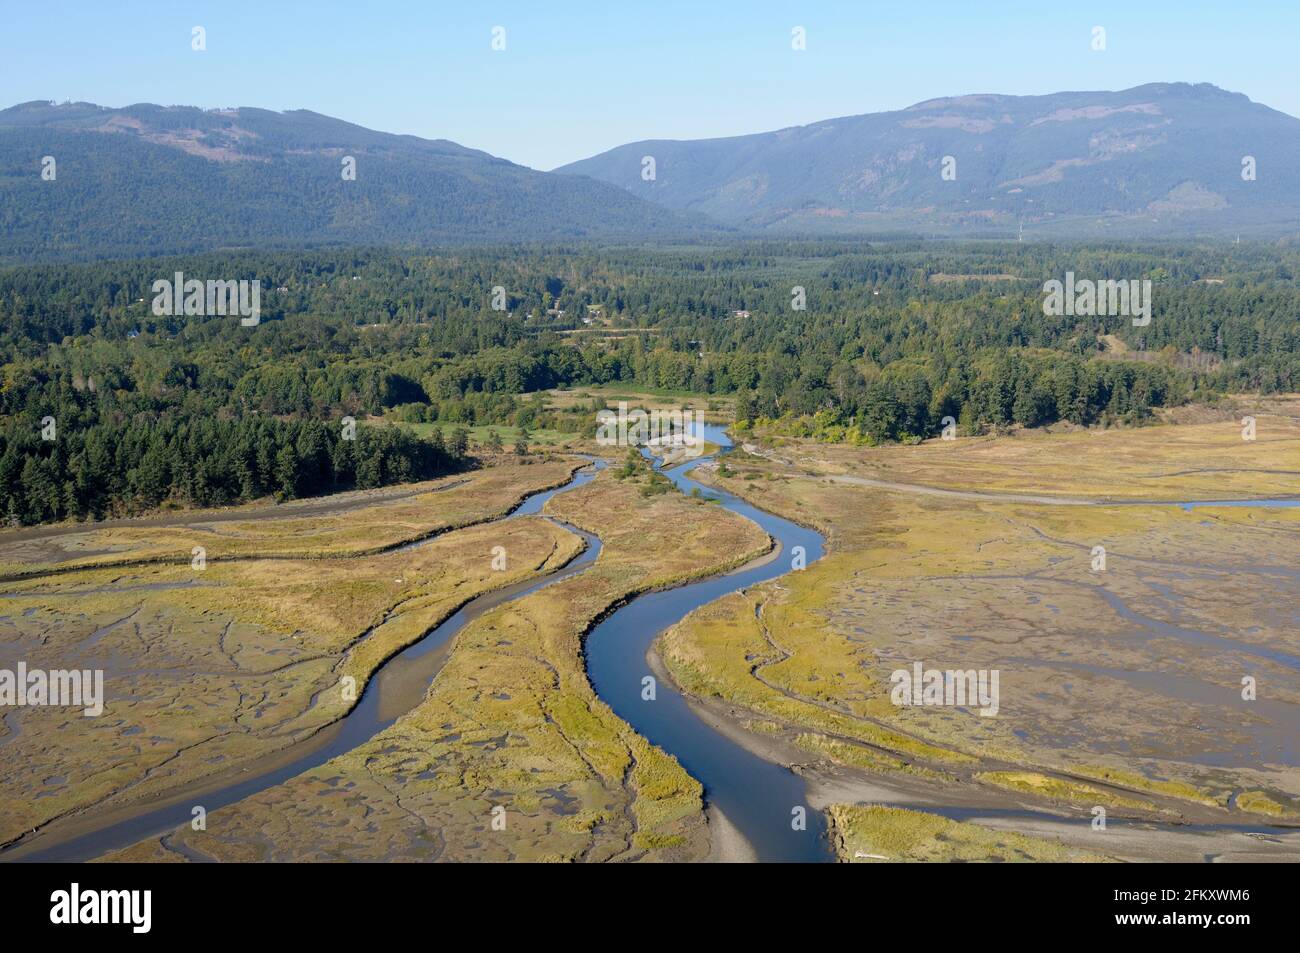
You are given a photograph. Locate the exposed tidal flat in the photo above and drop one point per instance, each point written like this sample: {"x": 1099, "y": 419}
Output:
{"x": 1121, "y": 687}
{"x": 210, "y": 669}
{"x": 510, "y": 728}
{"x": 357, "y": 523}
{"x": 877, "y": 834}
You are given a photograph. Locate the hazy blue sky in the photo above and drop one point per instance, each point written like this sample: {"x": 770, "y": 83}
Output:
{"x": 577, "y": 78}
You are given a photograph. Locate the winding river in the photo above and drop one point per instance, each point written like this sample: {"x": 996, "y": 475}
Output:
{"x": 396, "y": 688}
{"x": 764, "y": 801}
{"x": 758, "y": 797}
{"x": 761, "y": 799}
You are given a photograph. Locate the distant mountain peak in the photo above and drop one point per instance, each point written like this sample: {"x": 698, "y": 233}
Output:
{"x": 1161, "y": 158}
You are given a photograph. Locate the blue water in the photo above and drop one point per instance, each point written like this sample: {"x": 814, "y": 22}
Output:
{"x": 757, "y": 796}
{"x": 358, "y": 726}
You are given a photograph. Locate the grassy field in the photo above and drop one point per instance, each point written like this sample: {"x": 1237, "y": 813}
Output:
{"x": 479, "y": 435}
{"x": 878, "y": 834}
{"x": 511, "y": 723}
{"x": 575, "y": 404}
{"x": 349, "y": 524}
{"x": 716, "y": 408}
{"x": 1205, "y": 461}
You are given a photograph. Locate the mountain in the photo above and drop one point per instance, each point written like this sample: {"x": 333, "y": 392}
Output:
{"x": 1160, "y": 159}
{"x": 150, "y": 179}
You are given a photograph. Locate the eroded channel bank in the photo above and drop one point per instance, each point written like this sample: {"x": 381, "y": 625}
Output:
{"x": 394, "y": 689}
{"x": 761, "y": 799}
{"x": 766, "y": 802}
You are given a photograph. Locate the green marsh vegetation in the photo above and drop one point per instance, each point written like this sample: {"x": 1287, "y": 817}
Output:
{"x": 511, "y": 721}
{"x": 1104, "y": 702}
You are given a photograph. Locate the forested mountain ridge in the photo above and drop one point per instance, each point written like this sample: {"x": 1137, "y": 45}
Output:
{"x": 149, "y": 180}
{"x": 1164, "y": 159}
{"x": 80, "y": 181}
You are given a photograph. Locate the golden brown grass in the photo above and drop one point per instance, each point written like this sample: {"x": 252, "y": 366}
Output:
{"x": 1129, "y": 675}
{"x": 1207, "y": 461}
{"x": 208, "y": 669}
{"x": 511, "y": 722}
{"x": 351, "y": 524}
{"x": 876, "y": 834}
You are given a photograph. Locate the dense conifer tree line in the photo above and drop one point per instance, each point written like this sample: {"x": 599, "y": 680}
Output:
{"x": 149, "y": 409}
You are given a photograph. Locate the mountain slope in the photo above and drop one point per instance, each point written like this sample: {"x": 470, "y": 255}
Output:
{"x": 1164, "y": 158}
{"x": 149, "y": 179}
